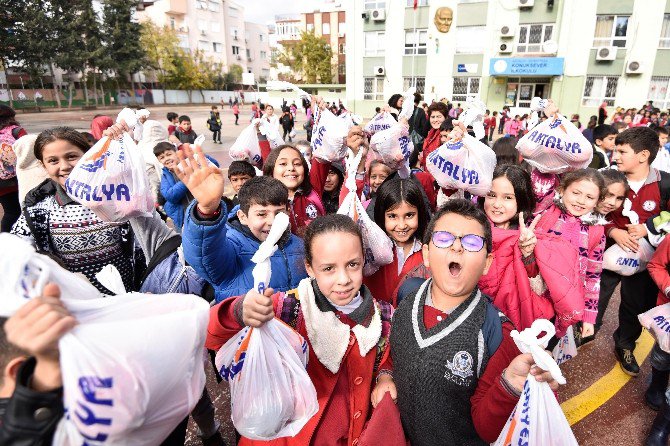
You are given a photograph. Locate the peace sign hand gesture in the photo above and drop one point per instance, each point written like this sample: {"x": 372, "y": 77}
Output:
{"x": 204, "y": 181}
{"x": 527, "y": 239}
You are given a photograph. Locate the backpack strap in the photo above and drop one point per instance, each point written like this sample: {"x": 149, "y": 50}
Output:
{"x": 409, "y": 286}
{"x": 492, "y": 328}
{"x": 164, "y": 250}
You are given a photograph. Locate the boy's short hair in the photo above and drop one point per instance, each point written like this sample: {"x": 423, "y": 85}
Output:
{"x": 163, "y": 147}
{"x": 639, "y": 139}
{"x": 183, "y": 118}
{"x": 659, "y": 129}
{"x": 214, "y": 107}
{"x": 8, "y": 351}
{"x": 263, "y": 191}
{"x": 447, "y": 125}
{"x": 464, "y": 208}
{"x": 602, "y": 131}
{"x": 241, "y": 168}
{"x": 171, "y": 116}
{"x": 619, "y": 125}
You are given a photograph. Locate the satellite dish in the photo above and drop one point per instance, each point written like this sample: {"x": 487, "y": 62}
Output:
{"x": 550, "y": 47}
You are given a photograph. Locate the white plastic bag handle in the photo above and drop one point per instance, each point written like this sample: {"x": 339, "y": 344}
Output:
{"x": 474, "y": 116}
{"x": 528, "y": 342}
{"x": 128, "y": 116}
{"x": 263, "y": 269}
{"x": 352, "y": 166}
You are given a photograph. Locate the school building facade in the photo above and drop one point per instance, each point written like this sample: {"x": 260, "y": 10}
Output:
{"x": 577, "y": 52}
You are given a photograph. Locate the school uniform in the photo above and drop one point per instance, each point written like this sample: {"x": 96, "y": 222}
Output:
{"x": 345, "y": 353}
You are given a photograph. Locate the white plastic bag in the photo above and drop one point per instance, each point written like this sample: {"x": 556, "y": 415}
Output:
{"x": 132, "y": 367}
{"x": 329, "y": 136}
{"x": 555, "y": 146}
{"x": 110, "y": 179}
{"x": 466, "y": 164}
{"x": 381, "y": 121}
{"x": 393, "y": 145}
{"x": 246, "y": 146}
{"x": 627, "y": 263}
{"x": 271, "y": 394}
{"x": 473, "y": 116}
{"x": 271, "y": 132}
{"x": 662, "y": 160}
{"x": 566, "y": 347}
{"x": 537, "y": 419}
{"x": 377, "y": 246}
{"x": 657, "y": 321}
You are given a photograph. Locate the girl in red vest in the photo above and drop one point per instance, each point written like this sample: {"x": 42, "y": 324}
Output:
{"x": 401, "y": 211}
{"x": 347, "y": 331}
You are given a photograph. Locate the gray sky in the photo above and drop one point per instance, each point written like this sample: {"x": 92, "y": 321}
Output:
{"x": 264, "y": 11}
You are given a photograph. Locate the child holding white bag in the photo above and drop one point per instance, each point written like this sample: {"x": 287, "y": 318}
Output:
{"x": 346, "y": 328}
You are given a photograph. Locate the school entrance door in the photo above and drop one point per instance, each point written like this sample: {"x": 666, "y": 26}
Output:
{"x": 520, "y": 91}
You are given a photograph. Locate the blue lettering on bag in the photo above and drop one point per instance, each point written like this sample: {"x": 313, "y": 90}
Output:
{"x": 662, "y": 323}
{"x": 552, "y": 142}
{"x": 89, "y": 385}
{"x": 458, "y": 173}
{"x": 110, "y": 192}
{"x": 626, "y": 261}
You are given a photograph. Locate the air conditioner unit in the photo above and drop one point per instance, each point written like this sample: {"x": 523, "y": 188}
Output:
{"x": 378, "y": 15}
{"x": 507, "y": 31}
{"x": 379, "y": 70}
{"x": 633, "y": 67}
{"x": 235, "y": 38}
{"x": 239, "y": 57}
{"x": 183, "y": 28}
{"x": 203, "y": 32}
{"x": 606, "y": 53}
{"x": 525, "y": 3}
{"x": 365, "y": 15}
{"x": 505, "y": 48}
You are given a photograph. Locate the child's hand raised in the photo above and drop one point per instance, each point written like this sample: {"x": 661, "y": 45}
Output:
{"x": 116, "y": 131}
{"x": 204, "y": 181}
{"x": 357, "y": 138}
{"x": 458, "y": 132}
{"x": 527, "y": 239}
{"x": 384, "y": 384}
{"x": 257, "y": 308}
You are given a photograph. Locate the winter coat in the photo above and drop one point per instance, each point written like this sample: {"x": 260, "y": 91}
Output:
{"x": 220, "y": 251}
{"x": 507, "y": 281}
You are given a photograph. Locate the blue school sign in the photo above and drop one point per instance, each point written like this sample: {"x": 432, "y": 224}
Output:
{"x": 526, "y": 66}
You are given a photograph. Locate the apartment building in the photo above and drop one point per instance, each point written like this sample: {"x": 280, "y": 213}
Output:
{"x": 578, "y": 52}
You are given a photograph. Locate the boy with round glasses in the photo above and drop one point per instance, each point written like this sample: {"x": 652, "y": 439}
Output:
{"x": 456, "y": 370}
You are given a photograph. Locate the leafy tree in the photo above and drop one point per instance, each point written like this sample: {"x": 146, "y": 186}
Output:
{"x": 235, "y": 72}
{"x": 122, "y": 39}
{"x": 310, "y": 58}
{"x": 161, "y": 47}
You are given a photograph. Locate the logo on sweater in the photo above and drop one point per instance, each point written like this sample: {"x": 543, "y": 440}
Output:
{"x": 460, "y": 367}
{"x": 311, "y": 211}
{"x": 649, "y": 205}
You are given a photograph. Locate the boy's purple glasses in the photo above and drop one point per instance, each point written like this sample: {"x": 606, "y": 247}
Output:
{"x": 469, "y": 242}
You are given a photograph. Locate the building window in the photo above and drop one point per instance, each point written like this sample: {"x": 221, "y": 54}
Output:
{"x": 410, "y": 3}
{"x": 183, "y": 41}
{"x": 264, "y": 55}
{"x": 233, "y": 12}
{"x": 341, "y": 29}
{"x": 416, "y": 41}
{"x": 611, "y": 30}
{"x": 310, "y": 27}
{"x": 471, "y": 39}
{"x": 464, "y": 87}
{"x": 173, "y": 23}
{"x": 203, "y": 45}
{"x": 340, "y": 48}
{"x": 598, "y": 89}
{"x": 235, "y": 33}
{"x": 214, "y": 7}
{"x": 217, "y": 47}
{"x": 249, "y": 54}
{"x": 658, "y": 91}
{"x": 215, "y": 27}
{"x": 200, "y": 4}
{"x": 202, "y": 25}
{"x": 236, "y": 50}
{"x": 325, "y": 28}
{"x": 342, "y": 69}
{"x": 373, "y": 88}
{"x": 418, "y": 82}
{"x": 531, "y": 37}
{"x": 374, "y": 43}
{"x": 368, "y": 4}
{"x": 664, "y": 42}
{"x": 261, "y": 37}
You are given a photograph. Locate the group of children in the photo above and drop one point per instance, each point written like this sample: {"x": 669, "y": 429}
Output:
{"x": 427, "y": 335}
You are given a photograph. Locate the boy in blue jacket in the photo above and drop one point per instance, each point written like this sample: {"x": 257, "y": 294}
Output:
{"x": 177, "y": 196}
{"x": 220, "y": 248}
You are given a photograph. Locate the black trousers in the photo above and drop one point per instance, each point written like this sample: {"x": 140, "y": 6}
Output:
{"x": 216, "y": 135}
{"x": 608, "y": 283}
{"x": 638, "y": 294}
{"x": 12, "y": 209}
{"x": 237, "y": 117}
